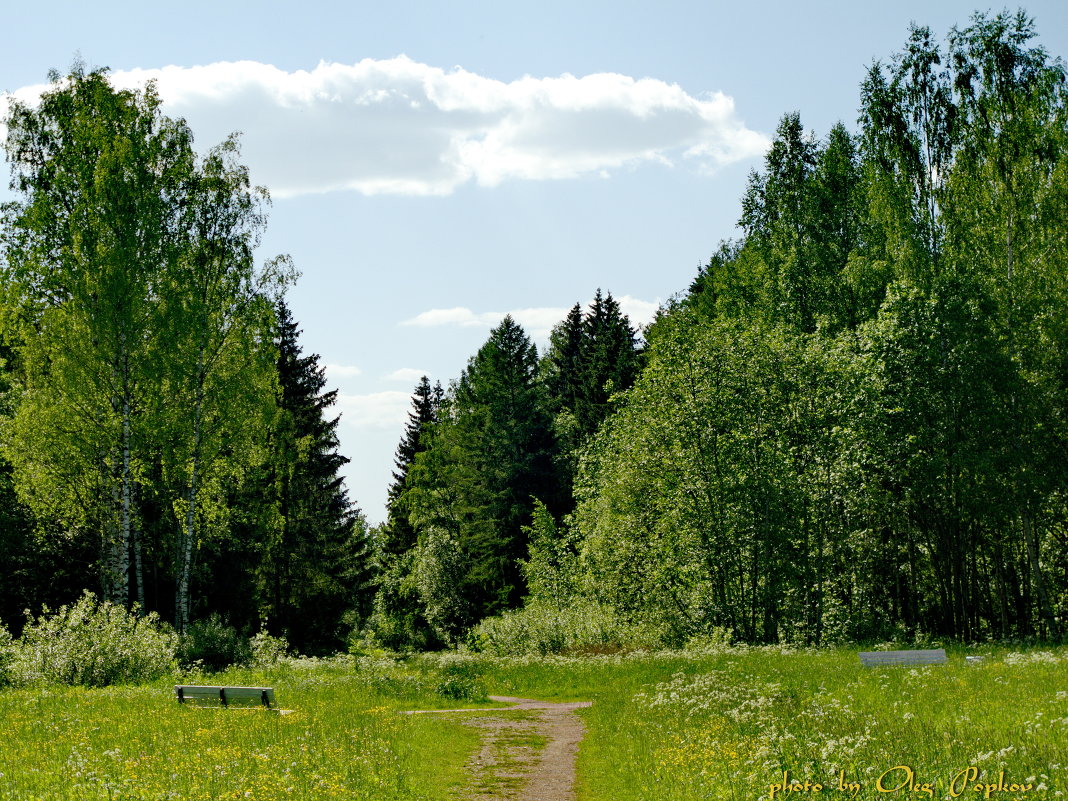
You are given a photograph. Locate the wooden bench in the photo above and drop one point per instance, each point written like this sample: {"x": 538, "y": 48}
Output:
{"x": 225, "y": 696}
{"x": 935, "y": 656}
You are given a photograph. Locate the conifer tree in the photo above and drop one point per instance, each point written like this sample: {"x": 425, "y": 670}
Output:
{"x": 397, "y": 618}
{"x": 315, "y": 567}
{"x": 591, "y": 356}
{"x": 470, "y": 493}
{"x": 398, "y": 535}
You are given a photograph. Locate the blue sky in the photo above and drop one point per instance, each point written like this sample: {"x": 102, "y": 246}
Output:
{"x": 435, "y": 165}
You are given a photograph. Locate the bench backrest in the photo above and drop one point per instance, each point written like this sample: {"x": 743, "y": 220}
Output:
{"x": 225, "y": 696}
{"x": 935, "y": 656}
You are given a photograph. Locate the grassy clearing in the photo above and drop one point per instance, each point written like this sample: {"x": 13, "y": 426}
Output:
{"x": 725, "y": 724}
{"x": 342, "y": 739}
{"x": 730, "y": 723}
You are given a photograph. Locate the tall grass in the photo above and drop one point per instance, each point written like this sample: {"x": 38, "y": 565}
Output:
{"x": 340, "y": 738}
{"x": 726, "y": 723}
{"x": 730, "y": 723}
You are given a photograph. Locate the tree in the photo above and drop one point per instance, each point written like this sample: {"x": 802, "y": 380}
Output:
{"x": 398, "y": 615}
{"x": 591, "y": 357}
{"x": 218, "y": 309}
{"x": 1008, "y": 194}
{"x": 102, "y": 175}
{"x": 909, "y": 136}
{"x": 486, "y": 458}
{"x": 313, "y": 566}
{"x": 140, "y": 321}
{"x": 399, "y": 536}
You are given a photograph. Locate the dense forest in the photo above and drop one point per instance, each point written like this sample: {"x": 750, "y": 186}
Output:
{"x": 852, "y": 426}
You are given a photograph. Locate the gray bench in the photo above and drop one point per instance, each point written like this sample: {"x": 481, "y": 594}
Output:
{"x": 935, "y": 656}
{"x": 225, "y": 696}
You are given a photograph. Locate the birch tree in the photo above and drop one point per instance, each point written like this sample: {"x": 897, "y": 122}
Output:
{"x": 219, "y": 382}
{"x": 100, "y": 173}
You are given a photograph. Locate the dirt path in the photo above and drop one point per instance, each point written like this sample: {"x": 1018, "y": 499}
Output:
{"x": 528, "y": 750}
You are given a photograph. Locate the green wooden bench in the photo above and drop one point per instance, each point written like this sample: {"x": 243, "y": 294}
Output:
{"x": 935, "y": 656}
{"x": 225, "y": 696}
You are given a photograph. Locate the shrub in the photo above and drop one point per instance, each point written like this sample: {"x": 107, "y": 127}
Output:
{"x": 539, "y": 628}
{"x": 93, "y": 643}
{"x": 461, "y": 682}
{"x": 7, "y": 656}
{"x": 213, "y": 644}
{"x": 267, "y": 650}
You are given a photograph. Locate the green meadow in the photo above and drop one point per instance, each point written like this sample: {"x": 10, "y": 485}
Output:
{"x": 728, "y": 723}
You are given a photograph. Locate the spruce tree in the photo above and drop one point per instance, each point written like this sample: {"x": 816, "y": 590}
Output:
{"x": 314, "y": 571}
{"x": 398, "y": 535}
{"x": 397, "y": 619}
{"x": 591, "y": 356}
{"x": 471, "y": 492}
{"x": 611, "y": 359}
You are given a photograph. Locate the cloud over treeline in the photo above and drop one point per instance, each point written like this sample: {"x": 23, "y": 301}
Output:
{"x": 401, "y": 127}
{"x": 538, "y": 321}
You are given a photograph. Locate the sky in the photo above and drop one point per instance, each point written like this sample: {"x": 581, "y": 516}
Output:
{"x": 436, "y": 165}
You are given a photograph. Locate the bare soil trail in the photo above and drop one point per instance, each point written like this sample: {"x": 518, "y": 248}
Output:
{"x": 528, "y": 750}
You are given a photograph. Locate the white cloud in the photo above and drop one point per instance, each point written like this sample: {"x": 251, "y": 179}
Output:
{"x": 375, "y": 410}
{"x": 398, "y": 126}
{"x": 336, "y": 371}
{"x": 538, "y": 321}
{"x": 407, "y": 374}
{"x": 458, "y": 315}
{"x": 640, "y": 312}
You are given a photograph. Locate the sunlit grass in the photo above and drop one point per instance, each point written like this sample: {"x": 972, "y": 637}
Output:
{"x": 340, "y": 737}
{"x": 729, "y": 724}
{"x": 726, "y": 724}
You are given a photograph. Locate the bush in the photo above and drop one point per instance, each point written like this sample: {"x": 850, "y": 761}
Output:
{"x": 93, "y": 643}
{"x": 539, "y": 628}
{"x": 7, "y": 656}
{"x": 213, "y": 645}
{"x": 461, "y": 682}
{"x": 267, "y": 650}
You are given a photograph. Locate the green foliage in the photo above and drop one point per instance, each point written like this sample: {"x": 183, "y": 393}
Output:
{"x": 556, "y": 617}
{"x": 139, "y": 324}
{"x": 441, "y": 566}
{"x": 313, "y": 571}
{"x": 461, "y": 681}
{"x": 852, "y": 426}
{"x": 94, "y": 643}
{"x": 551, "y": 571}
{"x": 7, "y": 656}
{"x": 212, "y": 644}
{"x": 582, "y": 626}
{"x": 397, "y": 616}
{"x": 267, "y": 650}
{"x": 468, "y": 493}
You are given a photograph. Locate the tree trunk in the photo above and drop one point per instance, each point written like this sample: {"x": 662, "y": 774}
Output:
{"x": 185, "y": 559}
{"x": 139, "y": 575}
{"x": 123, "y": 547}
{"x": 1044, "y": 609}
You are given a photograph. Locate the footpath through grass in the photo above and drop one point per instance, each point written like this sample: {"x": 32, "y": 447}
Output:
{"x": 724, "y": 724}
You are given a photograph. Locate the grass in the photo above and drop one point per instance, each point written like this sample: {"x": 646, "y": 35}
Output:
{"x": 341, "y": 739}
{"x": 730, "y": 724}
{"x": 726, "y": 724}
